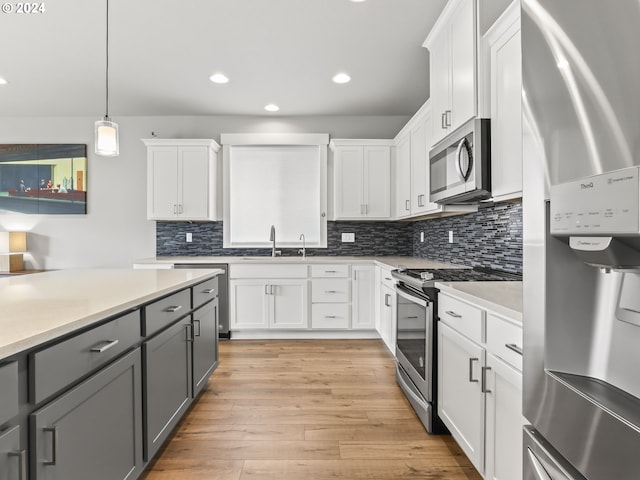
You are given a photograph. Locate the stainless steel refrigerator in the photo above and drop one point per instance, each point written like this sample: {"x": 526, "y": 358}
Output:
{"x": 581, "y": 203}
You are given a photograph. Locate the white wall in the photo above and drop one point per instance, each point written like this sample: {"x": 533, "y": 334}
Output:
{"x": 115, "y": 230}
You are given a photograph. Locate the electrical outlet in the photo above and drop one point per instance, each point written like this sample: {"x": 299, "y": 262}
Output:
{"x": 422, "y": 237}
{"x": 348, "y": 237}
{"x": 450, "y": 236}
{"x": 189, "y": 237}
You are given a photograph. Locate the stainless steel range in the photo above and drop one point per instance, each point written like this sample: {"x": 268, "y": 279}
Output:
{"x": 416, "y": 346}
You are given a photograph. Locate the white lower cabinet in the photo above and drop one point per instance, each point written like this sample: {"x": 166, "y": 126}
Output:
{"x": 504, "y": 421}
{"x": 362, "y": 298}
{"x": 268, "y": 303}
{"x": 386, "y": 308}
{"x": 461, "y": 401}
{"x": 480, "y": 385}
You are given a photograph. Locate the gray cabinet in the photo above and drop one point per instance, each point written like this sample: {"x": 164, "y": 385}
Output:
{"x": 94, "y": 430}
{"x": 13, "y": 461}
{"x": 167, "y": 382}
{"x": 205, "y": 344}
{"x": 8, "y": 392}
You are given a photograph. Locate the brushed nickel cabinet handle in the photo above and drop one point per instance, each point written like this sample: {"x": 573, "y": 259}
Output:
{"x": 471, "y": 379}
{"x": 105, "y": 347}
{"x": 387, "y": 300}
{"x": 22, "y": 465}
{"x": 453, "y": 314}
{"x": 442, "y": 121}
{"x": 483, "y": 385}
{"x": 513, "y": 347}
{"x": 173, "y": 308}
{"x": 199, "y": 331}
{"x": 54, "y": 445}
{"x": 209, "y": 291}
{"x": 407, "y": 205}
{"x": 190, "y": 336}
{"x": 330, "y": 316}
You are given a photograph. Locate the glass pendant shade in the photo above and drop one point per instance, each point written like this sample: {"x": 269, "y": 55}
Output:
{"x": 106, "y": 138}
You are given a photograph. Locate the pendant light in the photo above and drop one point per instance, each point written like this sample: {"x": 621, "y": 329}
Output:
{"x": 106, "y": 131}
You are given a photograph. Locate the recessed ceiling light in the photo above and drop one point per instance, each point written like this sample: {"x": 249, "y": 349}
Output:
{"x": 271, "y": 107}
{"x": 341, "y": 78}
{"x": 219, "y": 78}
{"x": 3, "y": 81}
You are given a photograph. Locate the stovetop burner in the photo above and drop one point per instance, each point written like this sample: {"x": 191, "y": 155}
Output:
{"x": 426, "y": 277}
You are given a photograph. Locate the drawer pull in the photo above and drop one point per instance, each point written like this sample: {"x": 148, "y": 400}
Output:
{"x": 330, "y": 291}
{"x": 209, "y": 291}
{"x": 330, "y": 316}
{"x": 387, "y": 300}
{"x": 387, "y": 279}
{"x": 330, "y": 271}
{"x": 471, "y": 379}
{"x": 54, "y": 443}
{"x": 22, "y": 459}
{"x": 173, "y": 308}
{"x": 105, "y": 347}
{"x": 483, "y": 387}
{"x": 413, "y": 317}
{"x": 513, "y": 347}
{"x": 453, "y": 314}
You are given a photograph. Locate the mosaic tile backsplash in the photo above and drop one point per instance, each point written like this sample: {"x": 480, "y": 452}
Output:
{"x": 491, "y": 237}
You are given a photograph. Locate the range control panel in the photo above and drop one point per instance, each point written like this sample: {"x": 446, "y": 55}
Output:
{"x": 605, "y": 204}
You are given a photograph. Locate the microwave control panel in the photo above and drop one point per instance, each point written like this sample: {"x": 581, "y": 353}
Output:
{"x": 607, "y": 204}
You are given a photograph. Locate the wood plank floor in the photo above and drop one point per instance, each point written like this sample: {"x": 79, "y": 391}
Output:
{"x": 308, "y": 410}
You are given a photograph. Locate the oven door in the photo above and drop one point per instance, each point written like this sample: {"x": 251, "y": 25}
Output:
{"x": 414, "y": 344}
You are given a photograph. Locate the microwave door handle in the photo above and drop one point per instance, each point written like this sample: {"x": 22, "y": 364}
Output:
{"x": 461, "y": 174}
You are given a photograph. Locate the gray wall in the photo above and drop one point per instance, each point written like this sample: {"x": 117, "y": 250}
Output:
{"x": 115, "y": 230}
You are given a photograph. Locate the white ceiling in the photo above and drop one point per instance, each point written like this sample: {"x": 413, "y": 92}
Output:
{"x": 162, "y": 53}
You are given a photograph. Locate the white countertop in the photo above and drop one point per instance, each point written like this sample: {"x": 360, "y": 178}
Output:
{"x": 390, "y": 261}
{"x": 503, "y": 298}
{"x": 40, "y": 307}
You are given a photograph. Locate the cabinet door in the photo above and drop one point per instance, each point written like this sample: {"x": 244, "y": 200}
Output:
{"x": 289, "y": 304}
{"x": 362, "y": 298}
{"x": 205, "y": 344}
{"x": 428, "y": 136}
{"x": 439, "y": 84}
{"x": 349, "y": 171}
{"x": 167, "y": 382}
{"x": 13, "y": 460}
{"x": 193, "y": 183}
{"x": 162, "y": 184}
{"x": 504, "y": 421}
{"x": 248, "y": 304}
{"x": 506, "y": 113}
{"x": 462, "y": 64}
{"x": 377, "y": 187}
{"x": 403, "y": 178}
{"x": 93, "y": 431}
{"x": 460, "y": 398}
{"x": 388, "y": 317}
{"x": 419, "y": 158}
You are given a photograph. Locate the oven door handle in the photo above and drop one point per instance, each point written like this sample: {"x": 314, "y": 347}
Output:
{"x": 412, "y": 298}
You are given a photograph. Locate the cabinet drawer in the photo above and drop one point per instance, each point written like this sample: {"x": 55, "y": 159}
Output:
{"x": 330, "y": 315}
{"x": 8, "y": 391}
{"x": 330, "y": 291}
{"x": 205, "y": 291}
{"x": 504, "y": 339}
{"x": 164, "y": 312}
{"x": 462, "y": 316}
{"x": 268, "y": 271}
{"x": 63, "y": 363}
{"x": 329, "y": 271}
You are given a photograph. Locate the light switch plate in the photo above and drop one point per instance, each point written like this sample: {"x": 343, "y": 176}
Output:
{"x": 450, "y": 236}
{"x": 348, "y": 237}
{"x": 189, "y": 238}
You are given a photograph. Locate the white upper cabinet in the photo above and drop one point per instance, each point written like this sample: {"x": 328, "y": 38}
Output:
{"x": 403, "y": 177}
{"x": 362, "y": 173}
{"x": 181, "y": 179}
{"x": 453, "y": 78}
{"x": 502, "y": 53}
{"x": 412, "y": 166}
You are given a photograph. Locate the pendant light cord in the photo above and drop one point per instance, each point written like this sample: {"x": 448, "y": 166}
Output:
{"x": 107, "y": 63}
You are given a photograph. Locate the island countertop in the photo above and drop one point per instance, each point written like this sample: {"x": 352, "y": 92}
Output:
{"x": 504, "y": 298}
{"x": 41, "y": 307}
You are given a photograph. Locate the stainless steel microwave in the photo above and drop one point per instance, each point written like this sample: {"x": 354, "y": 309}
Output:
{"x": 459, "y": 165}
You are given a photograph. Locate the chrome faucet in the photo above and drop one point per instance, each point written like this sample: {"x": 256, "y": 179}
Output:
{"x": 272, "y": 238}
{"x": 303, "y": 250}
